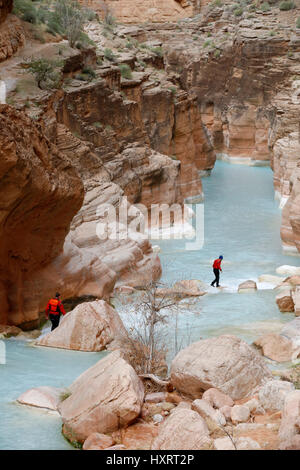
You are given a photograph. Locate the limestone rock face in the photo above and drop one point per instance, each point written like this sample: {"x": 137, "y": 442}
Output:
{"x": 133, "y": 11}
{"x": 183, "y": 430}
{"x": 289, "y": 430}
{"x": 42, "y": 397}
{"x": 104, "y": 398}
{"x": 277, "y": 347}
{"x": 11, "y": 32}
{"x": 225, "y": 362}
{"x": 272, "y": 394}
{"x": 91, "y": 326}
{"x": 37, "y": 183}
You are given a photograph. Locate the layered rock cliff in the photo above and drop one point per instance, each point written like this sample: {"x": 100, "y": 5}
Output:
{"x": 11, "y": 32}
{"x": 134, "y": 11}
{"x": 216, "y": 84}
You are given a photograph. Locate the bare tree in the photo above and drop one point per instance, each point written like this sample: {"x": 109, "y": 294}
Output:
{"x": 147, "y": 336}
{"x": 72, "y": 18}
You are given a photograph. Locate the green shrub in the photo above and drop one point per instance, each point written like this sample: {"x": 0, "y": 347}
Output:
{"x": 238, "y": 12}
{"x": 109, "y": 55}
{"x": 287, "y": 5}
{"x": 70, "y": 16}
{"x": 217, "y": 53}
{"x": 44, "y": 72}
{"x": 109, "y": 19}
{"x": 207, "y": 43}
{"x": 265, "y": 7}
{"x": 125, "y": 71}
{"x": 173, "y": 90}
{"x": 26, "y": 11}
{"x": 157, "y": 51}
{"x": 89, "y": 71}
{"x": 97, "y": 124}
{"x": 298, "y": 22}
{"x": 64, "y": 395}
{"x": 129, "y": 44}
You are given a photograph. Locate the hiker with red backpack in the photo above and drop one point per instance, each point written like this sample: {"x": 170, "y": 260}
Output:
{"x": 53, "y": 311}
{"x": 216, "y": 269}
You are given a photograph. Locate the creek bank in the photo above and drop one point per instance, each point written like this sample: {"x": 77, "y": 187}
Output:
{"x": 96, "y": 418}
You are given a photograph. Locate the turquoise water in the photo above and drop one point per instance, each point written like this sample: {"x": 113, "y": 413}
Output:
{"x": 23, "y": 427}
{"x": 242, "y": 222}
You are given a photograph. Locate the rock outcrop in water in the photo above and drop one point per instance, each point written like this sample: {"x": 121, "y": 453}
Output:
{"x": 91, "y": 326}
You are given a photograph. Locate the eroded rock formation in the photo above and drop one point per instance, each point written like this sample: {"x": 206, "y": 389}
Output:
{"x": 40, "y": 193}
{"x": 11, "y": 32}
{"x": 134, "y": 11}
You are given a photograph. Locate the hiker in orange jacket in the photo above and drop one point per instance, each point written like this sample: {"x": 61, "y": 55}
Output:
{"x": 216, "y": 269}
{"x": 53, "y": 311}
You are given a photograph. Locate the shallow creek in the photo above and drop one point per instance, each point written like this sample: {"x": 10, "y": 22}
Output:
{"x": 242, "y": 222}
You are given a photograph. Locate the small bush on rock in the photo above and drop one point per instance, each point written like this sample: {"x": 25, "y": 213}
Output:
{"x": 26, "y": 11}
{"x": 108, "y": 54}
{"x": 265, "y": 7}
{"x": 288, "y": 5}
{"x": 125, "y": 71}
{"x": 44, "y": 72}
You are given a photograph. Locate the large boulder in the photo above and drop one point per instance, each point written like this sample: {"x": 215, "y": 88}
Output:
{"x": 285, "y": 301}
{"x": 225, "y": 362}
{"x": 91, "y": 326}
{"x": 185, "y": 288}
{"x": 289, "y": 431}
{"x": 273, "y": 393}
{"x": 292, "y": 281}
{"x": 277, "y": 347}
{"x": 287, "y": 269}
{"x": 183, "y": 430}
{"x": 104, "y": 398}
{"x": 247, "y": 286}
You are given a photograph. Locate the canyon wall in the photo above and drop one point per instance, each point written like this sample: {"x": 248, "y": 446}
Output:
{"x": 135, "y": 11}
{"x": 11, "y": 32}
{"x": 210, "y": 86}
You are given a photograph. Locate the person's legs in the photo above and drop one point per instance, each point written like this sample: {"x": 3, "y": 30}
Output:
{"x": 54, "y": 320}
{"x": 217, "y": 277}
{"x": 216, "y": 271}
